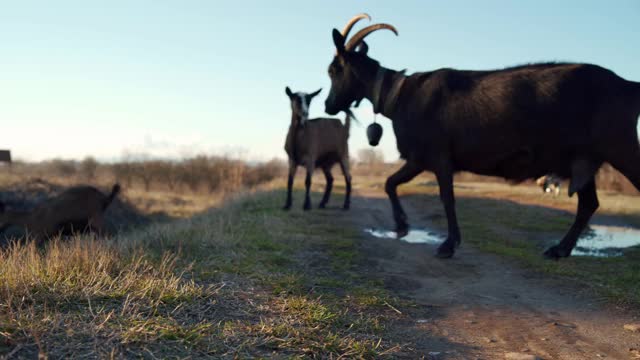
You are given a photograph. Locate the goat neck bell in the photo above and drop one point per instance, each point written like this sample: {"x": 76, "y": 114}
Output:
{"x": 374, "y": 133}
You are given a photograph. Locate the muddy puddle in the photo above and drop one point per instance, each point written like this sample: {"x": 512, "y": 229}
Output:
{"x": 598, "y": 240}
{"x": 415, "y": 236}
{"x": 606, "y": 241}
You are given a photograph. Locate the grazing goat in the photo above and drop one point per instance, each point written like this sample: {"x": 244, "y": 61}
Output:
{"x": 549, "y": 183}
{"x": 496, "y": 123}
{"x": 316, "y": 143}
{"x": 77, "y": 209}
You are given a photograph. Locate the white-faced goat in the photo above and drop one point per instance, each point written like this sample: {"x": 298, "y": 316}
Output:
{"x": 78, "y": 209}
{"x": 316, "y": 143}
{"x": 496, "y": 123}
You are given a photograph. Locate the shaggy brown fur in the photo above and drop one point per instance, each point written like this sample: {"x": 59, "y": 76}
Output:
{"x": 77, "y": 209}
{"x": 496, "y": 123}
{"x": 317, "y": 143}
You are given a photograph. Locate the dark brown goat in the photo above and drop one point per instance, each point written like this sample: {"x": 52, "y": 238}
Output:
{"x": 496, "y": 123}
{"x": 77, "y": 209}
{"x": 315, "y": 143}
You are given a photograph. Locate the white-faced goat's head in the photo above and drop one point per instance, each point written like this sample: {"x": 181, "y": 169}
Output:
{"x": 300, "y": 105}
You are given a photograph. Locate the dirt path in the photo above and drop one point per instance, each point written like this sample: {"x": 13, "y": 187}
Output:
{"x": 482, "y": 306}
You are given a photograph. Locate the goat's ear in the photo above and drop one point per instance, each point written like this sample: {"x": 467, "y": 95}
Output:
{"x": 314, "y": 94}
{"x": 288, "y": 91}
{"x": 338, "y": 41}
{"x": 363, "y": 48}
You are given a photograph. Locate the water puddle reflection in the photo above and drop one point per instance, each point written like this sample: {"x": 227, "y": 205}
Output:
{"x": 415, "y": 236}
{"x": 606, "y": 241}
{"x": 598, "y": 240}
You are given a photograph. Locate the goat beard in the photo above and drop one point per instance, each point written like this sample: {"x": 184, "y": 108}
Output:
{"x": 350, "y": 113}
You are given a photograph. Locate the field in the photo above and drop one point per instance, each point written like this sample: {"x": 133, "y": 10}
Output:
{"x": 223, "y": 272}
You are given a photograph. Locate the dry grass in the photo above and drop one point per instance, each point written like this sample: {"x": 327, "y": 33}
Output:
{"x": 61, "y": 300}
{"x": 86, "y": 268}
{"x": 172, "y": 204}
{"x": 154, "y": 188}
{"x": 198, "y": 175}
{"x": 232, "y": 282}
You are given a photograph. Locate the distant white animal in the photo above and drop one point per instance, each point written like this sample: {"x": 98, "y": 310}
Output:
{"x": 549, "y": 183}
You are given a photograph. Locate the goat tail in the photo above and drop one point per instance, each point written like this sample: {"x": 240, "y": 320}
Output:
{"x": 114, "y": 192}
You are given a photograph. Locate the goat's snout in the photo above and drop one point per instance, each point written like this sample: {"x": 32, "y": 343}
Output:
{"x": 329, "y": 108}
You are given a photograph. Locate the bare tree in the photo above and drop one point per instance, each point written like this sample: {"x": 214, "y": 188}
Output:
{"x": 370, "y": 157}
{"x": 88, "y": 168}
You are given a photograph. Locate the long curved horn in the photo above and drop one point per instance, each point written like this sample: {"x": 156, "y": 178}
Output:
{"x": 347, "y": 28}
{"x": 360, "y": 35}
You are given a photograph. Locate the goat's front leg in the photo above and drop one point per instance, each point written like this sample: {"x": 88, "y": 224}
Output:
{"x": 307, "y": 184}
{"x": 445, "y": 182}
{"x": 292, "y": 174}
{"x": 407, "y": 172}
{"x": 327, "y": 191}
{"x": 344, "y": 165}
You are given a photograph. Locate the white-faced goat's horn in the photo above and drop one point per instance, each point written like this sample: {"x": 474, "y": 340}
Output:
{"x": 360, "y": 35}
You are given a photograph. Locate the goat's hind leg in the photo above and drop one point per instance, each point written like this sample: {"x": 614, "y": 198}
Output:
{"x": 327, "y": 191}
{"x": 307, "y": 185}
{"x": 626, "y": 159}
{"x": 96, "y": 226}
{"x": 445, "y": 183}
{"x": 407, "y": 172}
{"x": 587, "y": 205}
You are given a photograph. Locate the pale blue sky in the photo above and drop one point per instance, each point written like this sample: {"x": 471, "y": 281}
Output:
{"x": 177, "y": 78}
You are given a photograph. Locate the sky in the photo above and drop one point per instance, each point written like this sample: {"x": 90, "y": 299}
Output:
{"x": 179, "y": 78}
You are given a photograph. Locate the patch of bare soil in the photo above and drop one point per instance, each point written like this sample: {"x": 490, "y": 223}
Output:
{"x": 482, "y": 306}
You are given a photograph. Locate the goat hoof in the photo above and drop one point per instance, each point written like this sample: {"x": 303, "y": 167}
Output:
{"x": 306, "y": 207}
{"x": 446, "y": 250}
{"x": 346, "y": 207}
{"x": 402, "y": 231}
{"x": 322, "y": 206}
{"x": 286, "y": 207}
{"x": 555, "y": 253}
